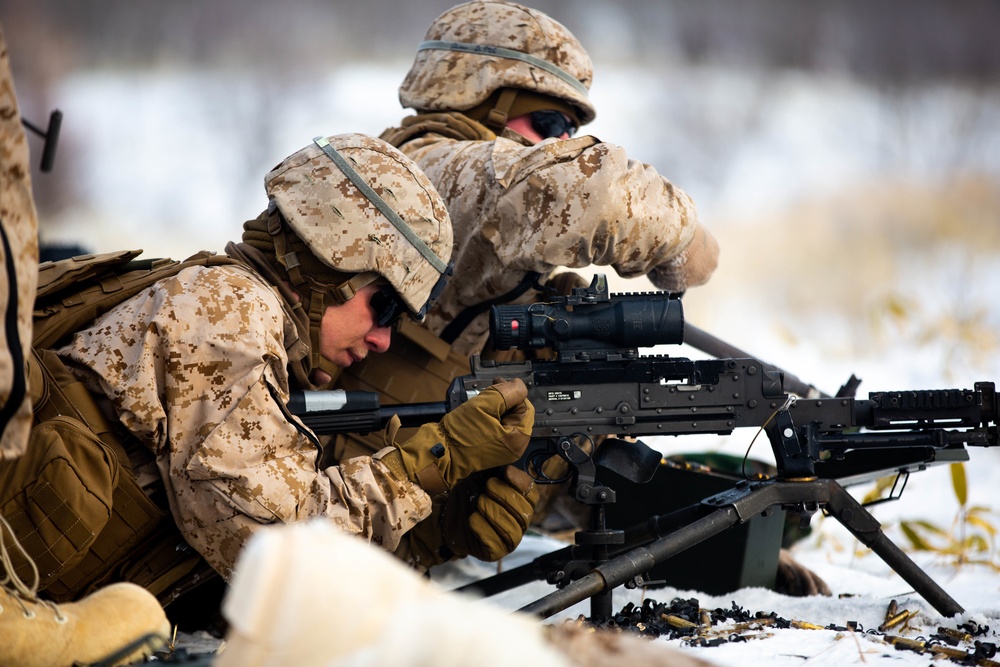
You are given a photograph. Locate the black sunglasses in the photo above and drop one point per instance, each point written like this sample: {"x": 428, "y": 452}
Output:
{"x": 552, "y": 123}
{"x": 387, "y": 306}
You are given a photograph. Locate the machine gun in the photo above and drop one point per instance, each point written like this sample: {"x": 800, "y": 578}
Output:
{"x": 599, "y": 386}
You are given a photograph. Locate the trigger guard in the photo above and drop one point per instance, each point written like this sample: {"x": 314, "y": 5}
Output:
{"x": 535, "y": 463}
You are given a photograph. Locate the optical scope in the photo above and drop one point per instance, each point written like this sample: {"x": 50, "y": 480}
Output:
{"x": 590, "y": 318}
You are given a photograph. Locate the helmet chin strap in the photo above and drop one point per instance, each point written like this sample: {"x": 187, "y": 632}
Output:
{"x": 498, "y": 116}
{"x": 317, "y": 307}
{"x": 316, "y": 298}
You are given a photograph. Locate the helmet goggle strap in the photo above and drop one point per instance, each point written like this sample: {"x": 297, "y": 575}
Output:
{"x": 439, "y": 286}
{"x": 401, "y": 226}
{"x": 502, "y": 111}
{"x": 510, "y": 54}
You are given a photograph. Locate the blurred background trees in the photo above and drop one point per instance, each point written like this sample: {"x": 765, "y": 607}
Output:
{"x": 892, "y": 40}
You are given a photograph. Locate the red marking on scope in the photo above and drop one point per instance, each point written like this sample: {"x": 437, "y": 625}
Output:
{"x": 514, "y": 325}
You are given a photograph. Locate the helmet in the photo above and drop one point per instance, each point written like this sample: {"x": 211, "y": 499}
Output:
{"x": 375, "y": 214}
{"x": 477, "y": 48}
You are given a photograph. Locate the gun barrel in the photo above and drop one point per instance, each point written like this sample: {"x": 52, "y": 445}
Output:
{"x": 340, "y": 411}
{"x": 720, "y": 349}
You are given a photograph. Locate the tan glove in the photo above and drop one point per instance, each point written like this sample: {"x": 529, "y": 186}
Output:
{"x": 484, "y": 516}
{"x": 490, "y": 430}
{"x": 489, "y": 523}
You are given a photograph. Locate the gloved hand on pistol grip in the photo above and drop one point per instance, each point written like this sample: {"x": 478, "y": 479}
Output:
{"x": 490, "y": 430}
{"x": 487, "y": 520}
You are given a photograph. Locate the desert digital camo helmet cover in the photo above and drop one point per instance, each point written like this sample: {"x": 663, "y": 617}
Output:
{"x": 345, "y": 228}
{"x": 476, "y": 48}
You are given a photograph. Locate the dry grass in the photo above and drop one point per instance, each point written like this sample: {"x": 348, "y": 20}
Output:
{"x": 836, "y": 252}
{"x": 886, "y": 265}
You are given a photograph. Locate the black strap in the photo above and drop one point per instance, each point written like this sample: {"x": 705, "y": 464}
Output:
{"x": 18, "y": 387}
{"x": 464, "y": 318}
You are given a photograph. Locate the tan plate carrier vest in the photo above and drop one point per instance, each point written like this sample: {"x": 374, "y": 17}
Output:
{"x": 72, "y": 499}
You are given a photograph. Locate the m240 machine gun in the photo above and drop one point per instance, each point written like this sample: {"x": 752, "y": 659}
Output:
{"x": 599, "y": 386}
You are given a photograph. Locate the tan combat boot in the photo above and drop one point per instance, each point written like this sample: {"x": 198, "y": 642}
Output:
{"x": 121, "y": 623}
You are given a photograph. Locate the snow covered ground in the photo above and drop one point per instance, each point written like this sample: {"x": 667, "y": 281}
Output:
{"x": 863, "y": 588}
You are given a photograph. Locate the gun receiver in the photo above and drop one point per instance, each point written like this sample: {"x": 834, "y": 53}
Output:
{"x": 667, "y": 396}
{"x": 599, "y": 385}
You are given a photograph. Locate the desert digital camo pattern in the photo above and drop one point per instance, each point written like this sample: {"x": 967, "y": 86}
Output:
{"x": 346, "y": 231}
{"x": 443, "y": 80}
{"x": 20, "y": 225}
{"x": 571, "y": 203}
{"x": 194, "y": 367}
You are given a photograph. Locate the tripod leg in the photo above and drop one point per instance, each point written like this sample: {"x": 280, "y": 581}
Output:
{"x": 622, "y": 568}
{"x": 868, "y": 530}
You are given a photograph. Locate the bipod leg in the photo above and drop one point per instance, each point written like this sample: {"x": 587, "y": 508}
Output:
{"x": 598, "y": 538}
{"x": 853, "y": 516}
{"x": 623, "y": 568}
{"x": 536, "y": 570}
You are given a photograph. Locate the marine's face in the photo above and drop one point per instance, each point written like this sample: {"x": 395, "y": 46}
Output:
{"x": 349, "y": 332}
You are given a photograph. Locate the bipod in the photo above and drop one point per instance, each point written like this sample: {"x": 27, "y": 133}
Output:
{"x": 738, "y": 505}
{"x": 600, "y": 560}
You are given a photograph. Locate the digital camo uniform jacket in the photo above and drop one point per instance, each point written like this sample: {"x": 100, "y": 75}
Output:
{"x": 570, "y": 203}
{"x": 194, "y": 367}
{"x": 18, "y": 263}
